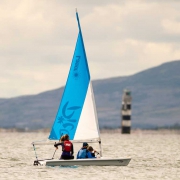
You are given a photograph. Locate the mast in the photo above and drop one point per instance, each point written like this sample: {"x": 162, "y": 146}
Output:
{"x": 92, "y": 94}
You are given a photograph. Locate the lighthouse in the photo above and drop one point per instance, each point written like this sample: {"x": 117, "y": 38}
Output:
{"x": 126, "y": 112}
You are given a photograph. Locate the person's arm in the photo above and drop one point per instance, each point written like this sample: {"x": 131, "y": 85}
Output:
{"x": 89, "y": 155}
{"x": 57, "y": 144}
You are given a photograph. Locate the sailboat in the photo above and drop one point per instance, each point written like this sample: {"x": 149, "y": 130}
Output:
{"x": 77, "y": 114}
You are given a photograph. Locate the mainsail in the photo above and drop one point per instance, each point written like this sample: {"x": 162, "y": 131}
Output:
{"x": 76, "y": 115}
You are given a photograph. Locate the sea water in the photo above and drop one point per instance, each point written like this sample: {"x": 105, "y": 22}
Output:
{"x": 155, "y": 155}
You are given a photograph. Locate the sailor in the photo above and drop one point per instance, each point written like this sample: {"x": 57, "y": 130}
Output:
{"x": 67, "y": 147}
{"x": 92, "y": 151}
{"x": 84, "y": 153}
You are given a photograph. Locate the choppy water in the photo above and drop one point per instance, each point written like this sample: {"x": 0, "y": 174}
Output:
{"x": 154, "y": 156}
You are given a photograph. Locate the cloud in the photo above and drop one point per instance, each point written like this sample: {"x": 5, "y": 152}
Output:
{"x": 38, "y": 40}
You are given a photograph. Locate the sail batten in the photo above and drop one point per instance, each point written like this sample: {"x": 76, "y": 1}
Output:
{"x": 76, "y": 115}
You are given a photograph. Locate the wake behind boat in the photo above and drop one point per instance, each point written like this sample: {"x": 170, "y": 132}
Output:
{"x": 77, "y": 115}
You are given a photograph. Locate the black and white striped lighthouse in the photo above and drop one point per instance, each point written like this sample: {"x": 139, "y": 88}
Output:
{"x": 126, "y": 112}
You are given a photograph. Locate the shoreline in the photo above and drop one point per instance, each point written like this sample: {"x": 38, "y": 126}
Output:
{"x": 102, "y": 131}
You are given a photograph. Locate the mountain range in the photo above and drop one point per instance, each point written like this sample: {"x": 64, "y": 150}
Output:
{"x": 155, "y": 101}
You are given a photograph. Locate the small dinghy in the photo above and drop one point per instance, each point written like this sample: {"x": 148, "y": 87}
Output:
{"x": 77, "y": 114}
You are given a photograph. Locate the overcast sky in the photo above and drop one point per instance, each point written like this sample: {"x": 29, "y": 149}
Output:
{"x": 38, "y": 37}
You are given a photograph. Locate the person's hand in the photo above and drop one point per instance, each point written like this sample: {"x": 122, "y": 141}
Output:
{"x": 96, "y": 152}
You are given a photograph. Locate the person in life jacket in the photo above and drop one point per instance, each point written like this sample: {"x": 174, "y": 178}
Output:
{"x": 92, "y": 151}
{"x": 67, "y": 147}
{"x": 84, "y": 153}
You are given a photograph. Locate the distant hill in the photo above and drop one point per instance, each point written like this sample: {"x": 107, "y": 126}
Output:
{"x": 155, "y": 93}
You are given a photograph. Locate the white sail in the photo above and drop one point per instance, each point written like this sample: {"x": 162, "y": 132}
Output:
{"x": 88, "y": 123}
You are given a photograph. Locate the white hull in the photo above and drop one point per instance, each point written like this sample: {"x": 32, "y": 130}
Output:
{"x": 87, "y": 162}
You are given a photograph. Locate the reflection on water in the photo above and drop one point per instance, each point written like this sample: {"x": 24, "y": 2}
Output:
{"x": 155, "y": 155}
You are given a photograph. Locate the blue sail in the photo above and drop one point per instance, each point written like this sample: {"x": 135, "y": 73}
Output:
{"x": 74, "y": 95}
